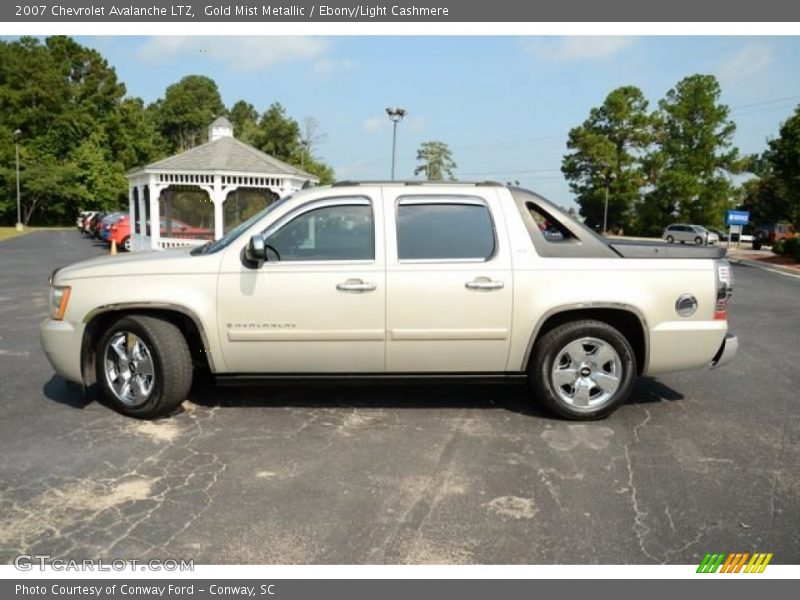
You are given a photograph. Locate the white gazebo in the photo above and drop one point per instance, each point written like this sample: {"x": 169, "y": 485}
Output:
{"x": 219, "y": 167}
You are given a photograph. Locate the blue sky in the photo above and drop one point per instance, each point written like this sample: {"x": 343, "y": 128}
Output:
{"x": 503, "y": 104}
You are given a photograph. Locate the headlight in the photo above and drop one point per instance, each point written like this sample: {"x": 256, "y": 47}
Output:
{"x": 59, "y": 296}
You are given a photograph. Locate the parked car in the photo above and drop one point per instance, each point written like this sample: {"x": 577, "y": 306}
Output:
{"x": 80, "y": 221}
{"x": 329, "y": 283}
{"x": 767, "y": 235}
{"x": 85, "y": 225}
{"x": 108, "y": 221}
{"x": 120, "y": 233}
{"x": 179, "y": 229}
{"x": 695, "y": 234}
{"x": 722, "y": 235}
{"x": 93, "y": 229}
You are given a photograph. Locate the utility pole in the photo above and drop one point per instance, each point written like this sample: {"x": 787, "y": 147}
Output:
{"x": 18, "y": 133}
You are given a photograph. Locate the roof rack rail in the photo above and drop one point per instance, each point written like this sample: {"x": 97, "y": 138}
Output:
{"x": 415, "y": 182}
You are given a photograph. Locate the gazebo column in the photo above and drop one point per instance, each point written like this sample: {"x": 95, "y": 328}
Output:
{"x": 218, "y": 198}
{"x": 131, "y": 212}
{"x": 142, "y": 217}
{"x": 155, "y": 217}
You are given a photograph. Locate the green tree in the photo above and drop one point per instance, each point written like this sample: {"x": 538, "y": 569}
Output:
{"x": 244, "y": 118}
{"x": 79, "y": 132}
{"x": 279, "y": 135}
{"x": 186, "y": 111}
{"x": 437, "y": 161}
{"x": 605, "y": 158}
{"x": 782, "y": 177}
{"x": 691, "y": 167}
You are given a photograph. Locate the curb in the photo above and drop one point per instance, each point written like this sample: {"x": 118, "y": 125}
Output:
{"x": 759, "y": 265}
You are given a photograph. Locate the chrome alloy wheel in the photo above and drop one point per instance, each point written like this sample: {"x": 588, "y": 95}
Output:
{"x": 586, "y": 373}
{"x": 129, "y": 368}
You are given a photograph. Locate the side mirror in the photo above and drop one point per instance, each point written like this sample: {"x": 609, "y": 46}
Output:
{"x": 255, "y": 253}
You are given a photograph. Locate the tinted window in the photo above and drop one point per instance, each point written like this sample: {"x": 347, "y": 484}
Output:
{"x": 551, "y": 229}
{"x": 327, "y": 233}
{"x": 444, "y": 231}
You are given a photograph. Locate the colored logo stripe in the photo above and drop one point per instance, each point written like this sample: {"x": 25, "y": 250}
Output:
{"x": 734, "y": 562}
{"x": 758, "y": 563}
{"x": 710, "y": 563}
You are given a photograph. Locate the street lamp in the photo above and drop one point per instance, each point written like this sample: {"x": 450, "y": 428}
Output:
{"x": 18, "y": 133}
{"x": 395, "y": 115}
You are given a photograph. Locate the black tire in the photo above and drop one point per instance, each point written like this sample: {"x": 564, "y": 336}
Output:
{"x": 756, "y": 245}
{"x": 670, "y": 239}
{"x": 698, "y": 240}
{"x": 550, "y": 346}
{"x": 168, "y": 358}
{"x": 126, "y": 244}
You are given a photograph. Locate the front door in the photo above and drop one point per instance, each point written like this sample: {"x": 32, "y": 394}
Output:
{"x": 318, "y": 304}
{"x": 449, "y": 282}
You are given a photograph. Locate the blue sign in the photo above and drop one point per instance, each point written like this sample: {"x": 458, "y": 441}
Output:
{"x": 737, "y": 217}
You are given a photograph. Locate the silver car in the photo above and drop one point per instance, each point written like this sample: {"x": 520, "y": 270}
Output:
{"x": 695, "y": 234}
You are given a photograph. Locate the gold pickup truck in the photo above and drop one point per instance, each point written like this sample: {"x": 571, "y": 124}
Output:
{"x": 397, "y": 281}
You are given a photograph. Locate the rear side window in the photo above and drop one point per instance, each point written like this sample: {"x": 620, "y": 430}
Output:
{"x": 430, "y": 228}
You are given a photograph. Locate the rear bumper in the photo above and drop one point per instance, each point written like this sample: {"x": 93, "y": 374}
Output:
{"x": 726, "y": 351}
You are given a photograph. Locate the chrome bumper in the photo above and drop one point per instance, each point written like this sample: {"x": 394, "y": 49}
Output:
{"x": 726, "y": 351}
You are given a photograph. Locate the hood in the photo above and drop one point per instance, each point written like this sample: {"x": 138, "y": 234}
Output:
{"x": 166, "y": 262}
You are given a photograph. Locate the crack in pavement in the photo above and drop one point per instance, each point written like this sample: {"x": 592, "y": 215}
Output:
{"x": 104, "y": 513}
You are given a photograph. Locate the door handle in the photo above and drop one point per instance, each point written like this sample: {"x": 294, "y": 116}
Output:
{"x": 356, "y": 285}
{"x": 484, "y": 283}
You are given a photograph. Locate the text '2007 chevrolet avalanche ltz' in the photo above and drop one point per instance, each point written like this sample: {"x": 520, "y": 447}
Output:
{"x": 398, "y": 281}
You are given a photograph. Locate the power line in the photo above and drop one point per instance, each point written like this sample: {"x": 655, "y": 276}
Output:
{"x": 765, "y": 102}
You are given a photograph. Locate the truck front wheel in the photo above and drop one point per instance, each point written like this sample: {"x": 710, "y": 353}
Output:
{"x": 144, "y": 366}
{"x": 582, "y": 370}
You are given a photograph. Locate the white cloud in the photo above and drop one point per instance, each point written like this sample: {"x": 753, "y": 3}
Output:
{"x": 577, "y": 48}
{"x": 327, "y": 67}
{"x": 376, "y": 124}
{"x": 411, "y": 122}
{"x": 354, "y": 169}
{"x": 748, "y": 61}
{"x": 241, "y": 53}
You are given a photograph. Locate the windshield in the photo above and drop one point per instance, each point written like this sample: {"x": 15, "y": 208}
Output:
{"x": 234, "y": 233}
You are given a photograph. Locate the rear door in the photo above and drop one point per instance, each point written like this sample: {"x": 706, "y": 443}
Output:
{"x": 449, "y": 281}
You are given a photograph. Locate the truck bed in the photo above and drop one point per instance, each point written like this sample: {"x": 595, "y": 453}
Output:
{"x": 634, "y": 249}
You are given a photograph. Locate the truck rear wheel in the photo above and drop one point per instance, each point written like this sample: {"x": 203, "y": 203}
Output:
{"x": 582, "y": 370}
{"x": 144, "y": 366}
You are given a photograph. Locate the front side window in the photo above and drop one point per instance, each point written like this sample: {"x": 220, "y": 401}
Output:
{"x": 451, "y": 230}
{"x": 339, "y": 232}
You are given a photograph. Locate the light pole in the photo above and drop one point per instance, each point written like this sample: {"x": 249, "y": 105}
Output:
{"x": 18, "y": 133}
{"x": 395, "y": 115}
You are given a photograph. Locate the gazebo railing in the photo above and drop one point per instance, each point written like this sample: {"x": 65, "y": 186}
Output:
{"x": 142, "y": 243}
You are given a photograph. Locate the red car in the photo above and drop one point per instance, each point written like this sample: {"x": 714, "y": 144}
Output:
{"x": 120, "y": 232}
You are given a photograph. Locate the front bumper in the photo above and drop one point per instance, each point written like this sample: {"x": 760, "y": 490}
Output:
{"x": 726, "y": 351}
{"x": 61, "y": 342}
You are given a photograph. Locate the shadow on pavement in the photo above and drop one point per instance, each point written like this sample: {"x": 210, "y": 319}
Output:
{"x": 511, "y": 397}
{"x": 63, "y": 392}
{"x": 647, "y": 389}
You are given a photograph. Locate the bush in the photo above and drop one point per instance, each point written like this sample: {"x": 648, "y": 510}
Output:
{"x": 791, "y": 247}
{"x": 777, "y": 247}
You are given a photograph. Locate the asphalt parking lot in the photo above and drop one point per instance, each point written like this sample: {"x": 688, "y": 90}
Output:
{"x": 697, "y": 462}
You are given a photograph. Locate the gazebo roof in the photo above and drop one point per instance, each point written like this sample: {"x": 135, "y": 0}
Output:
{"x": 226, "y": 154}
